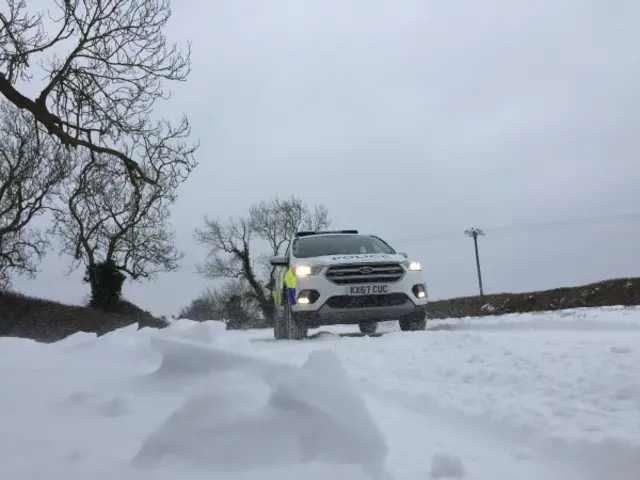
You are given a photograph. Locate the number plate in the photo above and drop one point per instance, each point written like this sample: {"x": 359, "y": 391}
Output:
{"x": 367, "y": 289}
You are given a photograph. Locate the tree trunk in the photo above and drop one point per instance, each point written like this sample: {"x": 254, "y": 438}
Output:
{"x": 265, "y": 304}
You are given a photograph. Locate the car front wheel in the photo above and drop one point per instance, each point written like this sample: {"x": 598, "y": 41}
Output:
{"x": 414, "y": 322}
{"x": 296, "y": 327}
{"x": 368, "y": 328}
{"x": 280, "y": 324}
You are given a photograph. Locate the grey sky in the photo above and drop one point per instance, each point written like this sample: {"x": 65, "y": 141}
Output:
{"x": 409, "y": 118}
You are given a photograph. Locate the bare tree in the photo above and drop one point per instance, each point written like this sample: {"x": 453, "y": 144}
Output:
{"x": 99, "y": 94}
{"x": 231, "y": 303}
{"x": 32, "y": 169}
{"x": 101, "y": 218}
{"x": 206, "y": 306}
{"x": 276, "y": 221}
{"x": 231, "y": 245}
{"x": 248, "y": 303}
{"x": 238, "y": 305}
{"x": 229, "y": 256}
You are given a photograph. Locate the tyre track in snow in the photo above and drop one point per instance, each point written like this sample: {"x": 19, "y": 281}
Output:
{"x": 611, "y": 457}
{"x": 418, "y": 439}
{"x": 500, "y": 446}
{"x": 419, "y": 433}
{"x": 491, "y": 446}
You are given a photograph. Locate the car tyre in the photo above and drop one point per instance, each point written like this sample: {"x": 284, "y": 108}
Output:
{"x": 415, "y": 322}
{"x": 296, "y": 327}
{"x": 280, "y": 325}
{"x": 368, "y": 328}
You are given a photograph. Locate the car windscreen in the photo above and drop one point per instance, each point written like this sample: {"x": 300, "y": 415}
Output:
{"x": 317, "y": 246}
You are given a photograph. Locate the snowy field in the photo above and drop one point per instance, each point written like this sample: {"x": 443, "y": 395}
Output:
{"x": 533, "y": 397}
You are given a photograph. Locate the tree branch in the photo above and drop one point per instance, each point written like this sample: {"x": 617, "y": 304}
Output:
{"x": 100, "y": 95}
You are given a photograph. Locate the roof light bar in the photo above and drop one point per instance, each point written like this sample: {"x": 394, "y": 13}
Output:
{"x": 310, "y": 233}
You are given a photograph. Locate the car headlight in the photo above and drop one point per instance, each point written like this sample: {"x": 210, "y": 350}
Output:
{"x": 413, "y": 266}
{"x": 305, "y": 270}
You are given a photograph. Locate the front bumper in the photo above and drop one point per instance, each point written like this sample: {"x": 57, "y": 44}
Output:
{"x": 331, "y": 316}
{"x": 332, "y": 304}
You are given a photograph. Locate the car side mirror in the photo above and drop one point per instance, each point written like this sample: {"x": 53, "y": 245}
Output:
{"x": 279, "y": 261}
{"x": 405, "y": 255}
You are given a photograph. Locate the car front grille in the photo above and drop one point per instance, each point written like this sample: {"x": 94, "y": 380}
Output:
{"x": 365, "y": 273}
{"x": 364, "y": 301}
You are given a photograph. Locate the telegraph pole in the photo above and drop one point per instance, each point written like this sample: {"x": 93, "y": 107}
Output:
{"x": 475, "y": 233}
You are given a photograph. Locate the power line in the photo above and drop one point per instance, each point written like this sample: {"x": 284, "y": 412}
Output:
{"x": 458, "y": 234}
{"x": 523, "y": 227}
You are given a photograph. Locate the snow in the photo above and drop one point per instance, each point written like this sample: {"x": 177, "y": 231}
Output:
{"x": 552, "y": 396}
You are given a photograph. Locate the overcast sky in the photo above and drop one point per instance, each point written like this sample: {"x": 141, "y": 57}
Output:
{"x": 411, "y": 118}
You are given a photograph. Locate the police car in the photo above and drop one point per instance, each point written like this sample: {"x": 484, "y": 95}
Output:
{"x": 344, "y": 277}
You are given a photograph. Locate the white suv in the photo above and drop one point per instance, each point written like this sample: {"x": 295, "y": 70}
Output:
{"x": 343, "y": 277}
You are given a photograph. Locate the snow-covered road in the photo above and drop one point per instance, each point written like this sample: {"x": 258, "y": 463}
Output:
{"x": 552, "y": 396}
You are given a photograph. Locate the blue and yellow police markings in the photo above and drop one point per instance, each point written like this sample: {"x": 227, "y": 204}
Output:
{"x": 290, "y": 282}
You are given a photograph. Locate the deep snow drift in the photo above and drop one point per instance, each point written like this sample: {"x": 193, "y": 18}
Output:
{"x": 546, "y": 396}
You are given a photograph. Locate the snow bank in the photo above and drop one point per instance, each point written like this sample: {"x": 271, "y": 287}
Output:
{"x": 546, "y": 395}
{"x": 188, "y": 401}
{"x": 539, "y": 396}
{"x": 262, "y": 414}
